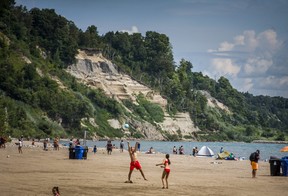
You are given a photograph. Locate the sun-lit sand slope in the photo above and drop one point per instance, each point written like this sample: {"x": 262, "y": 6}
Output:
{"x": 35, "y": 172}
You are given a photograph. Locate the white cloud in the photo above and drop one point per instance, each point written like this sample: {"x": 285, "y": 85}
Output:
{"x": 224, "y": 66}
{"x": 239, "y": 40}
{"x": 268, "y": 39}
{"x": 134, "y": 29}
{"x": 225, "y": 46}
{"x": 257, "y": 62}
{"x": 256, "y": 66}
{"x": 250, "y": 40}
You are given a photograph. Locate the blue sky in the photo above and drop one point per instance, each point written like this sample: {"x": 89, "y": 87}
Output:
{"x": 243, "y": 40}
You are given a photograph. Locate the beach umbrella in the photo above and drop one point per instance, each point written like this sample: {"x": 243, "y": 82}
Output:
{"x": 285, "y": 149}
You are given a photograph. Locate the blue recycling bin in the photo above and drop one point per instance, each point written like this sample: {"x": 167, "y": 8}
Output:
{"x": 284, "y": 163}
{"x": 79, "y": 150}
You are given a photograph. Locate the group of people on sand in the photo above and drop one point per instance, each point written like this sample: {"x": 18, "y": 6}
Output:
{"x": 136, "y": 164}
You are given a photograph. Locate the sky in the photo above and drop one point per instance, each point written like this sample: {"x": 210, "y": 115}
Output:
{"x": 245, "y": 41}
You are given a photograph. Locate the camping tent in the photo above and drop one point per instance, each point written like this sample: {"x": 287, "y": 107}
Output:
{"x": 205, "y": 152}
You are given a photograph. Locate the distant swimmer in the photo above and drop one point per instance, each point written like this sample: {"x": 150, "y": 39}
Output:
{"x": 134, "y": 162}
{"x": 165, "y": 164}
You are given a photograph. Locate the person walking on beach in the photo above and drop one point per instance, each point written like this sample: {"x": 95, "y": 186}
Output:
{"x": 109, "y": 147}
{"x": 165, "y": 164}
{"x": 121, "y": 146}
{"x": 254, "y": 158}
{"x": 134, "y": 162}
{"x": 95, "y": 149}
{"x": 20, "y": 145}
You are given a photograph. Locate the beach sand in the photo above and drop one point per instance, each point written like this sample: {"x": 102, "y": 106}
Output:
{"x": 35, "y": 172}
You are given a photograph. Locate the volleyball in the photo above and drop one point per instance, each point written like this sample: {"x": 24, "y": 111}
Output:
{"x": 126, "y": 126}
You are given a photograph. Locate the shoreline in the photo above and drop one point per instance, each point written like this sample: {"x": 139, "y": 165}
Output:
{"x": 269, "y": 142}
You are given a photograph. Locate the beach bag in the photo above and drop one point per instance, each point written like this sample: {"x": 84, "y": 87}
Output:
{"x": 252, "y": 156}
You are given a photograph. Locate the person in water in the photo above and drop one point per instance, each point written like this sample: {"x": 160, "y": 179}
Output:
{"x": 134, "y": 162}
{"x": 165, "y": 164}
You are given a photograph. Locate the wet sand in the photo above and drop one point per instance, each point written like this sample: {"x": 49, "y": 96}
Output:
{"x": 35, "y": 172}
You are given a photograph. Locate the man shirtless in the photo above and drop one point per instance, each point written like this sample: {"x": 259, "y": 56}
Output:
{"x": 134, "y": 162}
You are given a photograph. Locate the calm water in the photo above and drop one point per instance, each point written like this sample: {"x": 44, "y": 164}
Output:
{"x": 238, "y": 149}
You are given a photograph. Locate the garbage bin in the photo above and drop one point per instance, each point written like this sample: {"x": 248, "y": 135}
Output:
{"x": 79, "y": 152}
{"x": 275, "y": 165}
{"x": 85, "y": 153}
{"x": 284, "y": 163}
{"x": 71, "y": 153}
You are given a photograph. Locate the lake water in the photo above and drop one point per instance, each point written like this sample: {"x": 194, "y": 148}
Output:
{"x": 239, "y": 149}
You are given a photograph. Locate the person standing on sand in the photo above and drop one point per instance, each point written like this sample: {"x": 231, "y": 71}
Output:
{"x": 121, "y": 146}
{"x": 134, "y": 162}
{"x": 20, "y": 145}
{"x": 165, "y": 164}
{"x": 109, "y": 147}
{"x": 254, "y": 158}
{"x": 139, "y": 146}
{"x": 95, "y": 149}
{"x": 45, "y": 145}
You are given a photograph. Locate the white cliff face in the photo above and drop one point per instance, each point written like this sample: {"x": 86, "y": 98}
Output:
{"x": 182, "y": 122}
{"x": 97, "y": 72}
{"x": 214, "y": 103}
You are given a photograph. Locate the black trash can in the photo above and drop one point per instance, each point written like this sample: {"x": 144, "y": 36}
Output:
{"x": 71, "y": 153}
{"x": 85, "y": 153}
{"x": 275, "y": 165}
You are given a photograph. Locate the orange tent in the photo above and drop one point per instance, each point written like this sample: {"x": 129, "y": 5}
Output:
{"x": 285, "y": 149}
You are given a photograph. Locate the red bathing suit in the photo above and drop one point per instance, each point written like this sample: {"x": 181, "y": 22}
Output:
{"x": 135, "y": 164}
{"x": 167, "y": 170}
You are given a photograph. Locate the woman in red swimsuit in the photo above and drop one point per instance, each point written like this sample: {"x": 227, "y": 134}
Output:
{"x": 165, "y": 164}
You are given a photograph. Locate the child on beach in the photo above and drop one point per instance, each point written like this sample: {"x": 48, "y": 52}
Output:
{"x": 134, "y": 162}
{"x": 55, "y": 191}
{"x": 165, "y": 164}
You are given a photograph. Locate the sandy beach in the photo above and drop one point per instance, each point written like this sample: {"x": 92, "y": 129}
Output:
{"x": 35, "y": 172}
